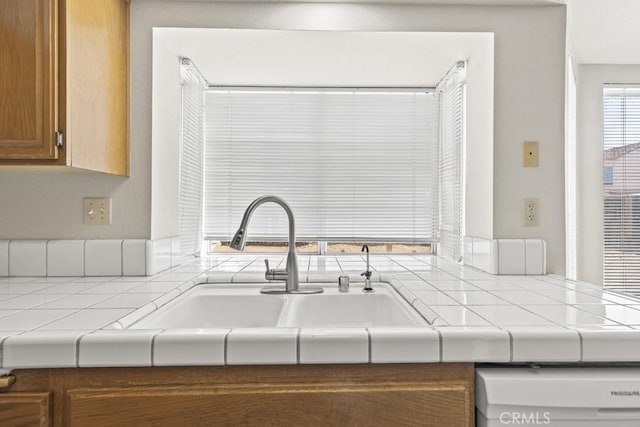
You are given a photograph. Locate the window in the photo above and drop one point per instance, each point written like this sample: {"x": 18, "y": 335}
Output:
{"x": 355, "y": 165}
{"x": 382, "y": 166}
{"x": 622, "y": 188}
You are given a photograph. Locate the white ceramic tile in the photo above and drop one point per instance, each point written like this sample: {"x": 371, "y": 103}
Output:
{"x": 545, "y": 344}
{"x": 477, "y": 297}
{"x": 617, "y": 313}
{"x": 610, "y": 345}
{"x": 176, "y": 252}
{"x": 457, "y": 315}
{"x": 495, "y": 285}
{"x": 154, "y": 288}
{"x": 189, "y": 347}
{"x": 467, "y": 253}
{"x": 535, "y": 261}
{"x": 64, "y": 288}
{"x": 134, "y": 316}
{"x": 511, "y": 256}
{"x": 11, "y": 289}
{"x": 4, "y": 258}
{"x": 435, "y": 298}
{"x": 86, "y": 319}
{"x": 158, "y": 255}
{"x": 523, "y": 297}
{"x": 568, "y": 315}
{"x": 474, "y": 344}
{"x": 404, "y": 345}
{"x": 262, "y": 346}
{"x": 115, "y": 287}
{"x": 134, "y": 257}
{"x": 335, "y": 345}
{"x": 103, "y": 258}
{"x": 28, "y": 258}
{"x": 65, "y": 258}
{"x": 509, "y": 315}
{"x": 41, "y": 350}
{"x": 126, "y": 301}
{"x": 483, "y": 256}
{"x": 169, "y": 296}
{"x": 453, "y": 285}
{"x": 428, "y": 313}
{"x": 29, "y": 319}
{"x": 27, "y": 301}
{"x": 105, "y": 348}
{"x": 73, "y": 301}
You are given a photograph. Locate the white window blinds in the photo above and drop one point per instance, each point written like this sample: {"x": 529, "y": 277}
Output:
{"x": 451, "y": 92}
{"x": 354, "y": 164}
{"x": 621, "y": 182}
{"x": 191, "y": 159}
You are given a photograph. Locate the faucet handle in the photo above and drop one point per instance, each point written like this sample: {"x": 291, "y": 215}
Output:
{"x": 266, "y": 263}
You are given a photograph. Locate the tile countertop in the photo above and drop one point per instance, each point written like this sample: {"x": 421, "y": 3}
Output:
{"x": 476, "y": 317}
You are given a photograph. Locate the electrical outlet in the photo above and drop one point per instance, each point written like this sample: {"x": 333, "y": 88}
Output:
{"x": 530, "y": 212}
{"x": 530, "y": 154}
{"x": 97, "y": 211}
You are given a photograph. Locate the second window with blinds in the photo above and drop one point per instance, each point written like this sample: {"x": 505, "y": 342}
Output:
{"x": 377, "y": 166}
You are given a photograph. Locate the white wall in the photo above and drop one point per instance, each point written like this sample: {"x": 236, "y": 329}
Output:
{"x": 319, "y": 58}
{"x": 529, "y": 92}
{"x": 529, "y": 88}
{"x": 591, "y": 79}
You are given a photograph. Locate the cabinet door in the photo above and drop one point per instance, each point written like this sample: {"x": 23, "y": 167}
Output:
{"x": 25, "y": 409}
{"x": 434, "y": 404}
{"x": 27, "y": 79}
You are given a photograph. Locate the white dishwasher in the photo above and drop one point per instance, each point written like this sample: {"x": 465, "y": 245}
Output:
{"x": 558, "y": 396}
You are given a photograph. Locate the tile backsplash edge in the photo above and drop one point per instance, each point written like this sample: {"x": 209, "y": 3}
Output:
{"x": 95, "y": 257}
{"x": 506, "y": 256}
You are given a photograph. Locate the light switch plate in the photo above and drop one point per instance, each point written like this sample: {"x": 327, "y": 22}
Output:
{"x": 530, "y": 154}
{"x": 97, "y": 211}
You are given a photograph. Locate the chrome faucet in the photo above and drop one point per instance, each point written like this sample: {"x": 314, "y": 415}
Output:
{"x": 290, "y": 274}
{"x": 367, "y": 274}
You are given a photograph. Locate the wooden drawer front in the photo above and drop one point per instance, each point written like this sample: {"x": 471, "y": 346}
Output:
{"x": 434, "y": 404}
{"x": 25, "y": 409}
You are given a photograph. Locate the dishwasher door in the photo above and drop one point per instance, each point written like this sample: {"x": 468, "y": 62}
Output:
{"x": 558, "y": 396}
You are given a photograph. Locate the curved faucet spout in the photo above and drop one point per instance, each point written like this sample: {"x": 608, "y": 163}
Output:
{"x": 290, "y": 273}
{"x": 240, "y": 238}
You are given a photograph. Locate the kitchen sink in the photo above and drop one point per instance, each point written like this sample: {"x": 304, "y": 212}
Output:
{"x": 240, "y": 305}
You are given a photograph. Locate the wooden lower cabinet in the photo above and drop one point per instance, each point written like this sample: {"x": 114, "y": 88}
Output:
{"x": 299, "y": 395}
{"x": 25, "y": 409}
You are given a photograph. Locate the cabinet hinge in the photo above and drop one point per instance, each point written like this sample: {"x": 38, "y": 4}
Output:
{"x": 59, "y": 139}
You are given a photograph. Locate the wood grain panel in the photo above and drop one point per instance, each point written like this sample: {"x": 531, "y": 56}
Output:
{"x": 27, "y": 79}
{"x": 383, "y": 404}
{"x": 25, "y": 409}
{"x": 393, "y": 394}
{"x": 96, "y": 84}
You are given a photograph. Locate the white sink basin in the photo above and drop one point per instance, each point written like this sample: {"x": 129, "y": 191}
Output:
{"x": 243, "y": 306}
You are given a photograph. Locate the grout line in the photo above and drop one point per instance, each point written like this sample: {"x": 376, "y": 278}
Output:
{"x": 46, "y": 258}
{"x": 440, "y": 344}
{"x": 226, "y": 346}
{"x": 369, "y": 344}
{"x": 153, "y": 345}
{"x": 581, "y": 344}
{"x": 524, "y": 242}
{"x": 121, "y": 258}
{"x": 77, "y": 345}
{"x": 9, "y": 258}
{"x": 298, "y": 346}
{"x": 84, "y": 258}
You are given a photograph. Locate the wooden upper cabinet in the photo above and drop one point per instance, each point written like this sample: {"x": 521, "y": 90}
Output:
{"x": 27, "y": 79}
{"x": 64, "y": 66}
